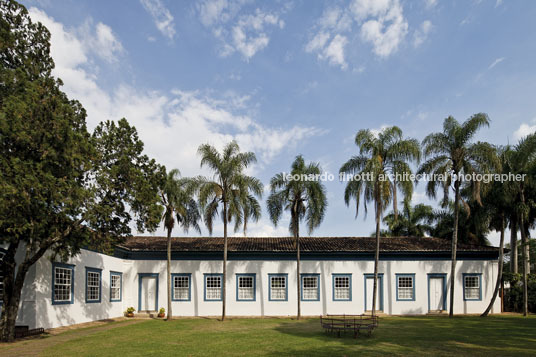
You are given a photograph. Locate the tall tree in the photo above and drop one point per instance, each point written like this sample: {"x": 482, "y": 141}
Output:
{"x": 60, "y": 187}
{"x": 498, "y": 201}
{"x": 179, "y": 207}
{"x": 451, "y": 154}
{"x": 415, "y": 221}
{"x": 305, "y": 200}
{"x": 522, "y": 161}
{"x": 382, "y": 167}
{"x": 231, "y": 189}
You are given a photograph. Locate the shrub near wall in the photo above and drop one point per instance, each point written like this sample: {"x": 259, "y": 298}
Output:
{"x": 513, "y": 297}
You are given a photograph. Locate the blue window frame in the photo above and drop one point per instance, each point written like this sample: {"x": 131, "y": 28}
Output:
{"x": 93, "y": 285}
{"x": 277, "y": 287}
{"x": 213, "y": 286}
{"x": 116, "y": 286}
{"x": 405, "y": 287}
{"x": 182, "y": 287}
{"x": 472, "y": 286}
{"x": 342, "y": 287}
{"x": 246, "y": 287}
{"x": 310, "y": 287}
{"x": 62, "y": 283}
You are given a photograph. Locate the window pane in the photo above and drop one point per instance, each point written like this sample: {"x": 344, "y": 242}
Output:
{"x": 245, "y": 288}
{"x": 342, "y": 288}
{"x": 115, "y": 290}
{"x": 278, "y": 289}
{"x": 93, "y": 285}
{"x": 62, "y": 284}
{"x": 310, "y": 287}
{"x": 405, "y": 287}
{"x": 472, "y": 287}
{"x": 213, "y": 288}
{"x": 181, "y": 288}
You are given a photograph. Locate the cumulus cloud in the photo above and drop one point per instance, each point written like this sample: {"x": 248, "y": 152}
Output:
{"x": 380, "y": 23}
{"x": 162, "y": 18}
{"x": 524, "y": 130}
{"x": 245, "y": 33}
{"x": 420, "y": 35}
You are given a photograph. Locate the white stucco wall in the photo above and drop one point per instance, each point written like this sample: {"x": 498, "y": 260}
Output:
{"x": 37, "y": 309}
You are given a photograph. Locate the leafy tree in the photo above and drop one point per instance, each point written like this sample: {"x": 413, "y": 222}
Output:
{"x": 451, "y": 154}
{"x": 382, "y": 158}
{"x": 179, "y": 207}
{"x": 230, "y": 189}
{"x": 415, "y": 221}
{"x": 60, "y": 187}
{"x": 304, "y": 199}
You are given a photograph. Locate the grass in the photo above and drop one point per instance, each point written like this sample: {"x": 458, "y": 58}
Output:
{"x": 495, "y": 335}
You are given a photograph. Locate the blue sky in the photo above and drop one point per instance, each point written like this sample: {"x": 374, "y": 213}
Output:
{"x": 291, "y": 77}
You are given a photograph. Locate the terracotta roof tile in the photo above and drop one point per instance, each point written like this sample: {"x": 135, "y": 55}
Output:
{"x": 307, "y": 244}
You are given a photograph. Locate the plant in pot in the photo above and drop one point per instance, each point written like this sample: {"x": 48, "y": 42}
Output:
{"x": 161, "y": 312}
{"x": 130, "y": 312}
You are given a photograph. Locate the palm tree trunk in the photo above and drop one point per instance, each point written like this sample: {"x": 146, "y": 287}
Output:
{"x": 513, "y": 245}
{"x": 377, "y": 254}
{"x": 169, "y": 312}
{"x": 224, "y": 289}
{"x": 524, "y": 244}
{"x": 499, "y": 275}
{"x": 297, "y": 238}
{"x": 454, "y": 244}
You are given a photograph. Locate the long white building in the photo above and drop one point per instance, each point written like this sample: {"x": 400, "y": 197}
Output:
{"x": 336, "y": 278}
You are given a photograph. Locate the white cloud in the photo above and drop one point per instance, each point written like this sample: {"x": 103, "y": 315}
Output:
{"x": 101, "y": 40}
{"x": 162, "y": 18}
{"x": 334, "y": 52}
{"x": 420, "y": 35}
{"x": 384, "y": 25}
{"x": 524, "y": 130}
{"x": 246, "y": 34}
{"x": 429, "y": 4}
{"x": 380, "y": 22}
{"x": 496, "y": 62}
{"x": 498, "y": 3}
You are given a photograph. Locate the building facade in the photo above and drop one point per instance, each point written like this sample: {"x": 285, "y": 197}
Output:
{"x": 336, "y": 278}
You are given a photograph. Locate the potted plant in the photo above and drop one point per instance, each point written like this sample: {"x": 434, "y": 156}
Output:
{"x": 130, "y": 312}
{"x": 161, "y": 312}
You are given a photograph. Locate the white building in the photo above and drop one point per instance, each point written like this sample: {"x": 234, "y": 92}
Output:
{"x": 336, "y": 278}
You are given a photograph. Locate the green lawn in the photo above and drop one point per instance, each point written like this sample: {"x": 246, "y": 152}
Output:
{"x": 497, "y": 335}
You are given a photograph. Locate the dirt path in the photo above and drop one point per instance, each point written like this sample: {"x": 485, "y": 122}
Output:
{"x": 34, "y": 346}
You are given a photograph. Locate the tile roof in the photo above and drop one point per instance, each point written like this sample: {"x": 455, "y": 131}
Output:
{"x": 307, "y": 244}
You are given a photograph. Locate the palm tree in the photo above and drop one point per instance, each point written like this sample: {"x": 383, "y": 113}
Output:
{"x": 522, "y": 161}
{"x": 382, "y": 158}
{"x": 451, "y": 154}
{"x": 231, "y": 189}
{"x": 180, "y": 207}
{"x": 415, "y": 221}
{"x": 498, "y": 200}
{"x": 304, "y": 199}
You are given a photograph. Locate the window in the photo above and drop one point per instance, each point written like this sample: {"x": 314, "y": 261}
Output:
{"x": 62, "y": 283}
{"x": 278, "y": 288}
{"x": 310, "y": 287}
{"x": 116, "y": 283}
{"x": 181, "y": 287}
{"x": 245, "y": 285}
{"x": 342, "y": 287}
{"x": 93, "y": 285}
{"x": 405, "y": 287}
{"x": 213, "y": 287}
{"x": 471, "y": 287}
